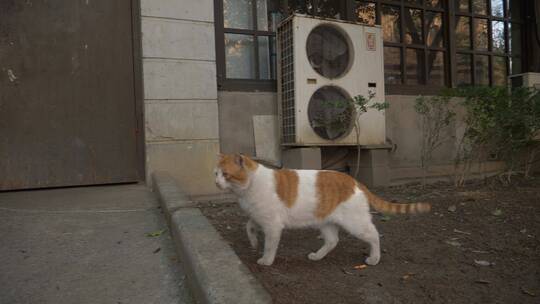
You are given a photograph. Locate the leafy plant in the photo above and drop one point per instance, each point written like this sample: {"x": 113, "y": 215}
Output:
{"x": 359, "y": 105}
{"x": 502, "y": 122}
{"x": 436, "y": 113}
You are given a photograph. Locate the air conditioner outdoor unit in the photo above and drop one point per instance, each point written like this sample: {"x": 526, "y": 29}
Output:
{"x": 525, "y": 80}
{"x": 322, "y": 62}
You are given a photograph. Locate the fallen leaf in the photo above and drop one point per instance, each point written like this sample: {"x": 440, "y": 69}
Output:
{"x": 453, "y": 243}
{"x": 525, "y": 291}
{"x": 155, "y": 233}
{"x": 462, "y": 232}
{"x": 482, "y": 281}
{"x": 358, "y": 267}
{"x": 482, "y": 263}
{"x": 157, "y": 250}
{"x": 408, "y": 275}
{"x": 346, "y": 272}
{"x": 452, "y": 208}
{"x": 479, "y": 251}
{"x": 497, "y": 212}
{"x": 385, "y": 218}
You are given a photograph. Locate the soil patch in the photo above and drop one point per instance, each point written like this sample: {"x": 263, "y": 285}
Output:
{"x": 433, "y": 258}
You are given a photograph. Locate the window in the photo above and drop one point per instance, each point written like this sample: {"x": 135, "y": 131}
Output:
{"x": 488, "y": 41}
{"x": 245, "y": 38}
{"x": 245, "y": 43}
{"x": 415, "y": 42}
{"x": 422, "y": 46}
{"x": 428, "y": 44}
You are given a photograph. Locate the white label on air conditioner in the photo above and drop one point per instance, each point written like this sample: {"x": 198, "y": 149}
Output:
{"x": 370, "y": 42}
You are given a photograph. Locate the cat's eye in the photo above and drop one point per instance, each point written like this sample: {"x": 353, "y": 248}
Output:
{"x": 226, "y": 175}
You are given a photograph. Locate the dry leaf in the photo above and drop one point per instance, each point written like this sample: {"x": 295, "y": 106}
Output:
{"x": 358, "y": 267}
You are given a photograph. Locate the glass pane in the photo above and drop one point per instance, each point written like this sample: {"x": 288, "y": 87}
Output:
{"x": 462, "y": 5}
{"x": 238, "y": 14}
{"x": 262, "y": 15}
{"x": 415, "y": 66}
{"x": 392, "y": 65}
{"x": 515, "y": 65}
{"x": 300, "y": 7}
{"x": 239, "y": 56}
{"x": 434, "y": 25}
{"x": 514, "y": 36}
{"x": 480, "y": 34}
{"x": 463, "y": 32}
{"x": 328, "y": 9}
{"x": 514, "y": 9}
{"x": 434, "y": 3}
{"x": 436, "y": 71}
{"x": 479, "y": 7}
{"x": 499, "y": 70}
{"x": 497, "y": 36}
{"x": 413, "y": 26}
{"x": 481, "y": 75}
{"x": 390, "y": 23}
{"x": 366, "y": 13}
{"x": 463, "y": 70}
{"x": 264, "y": 57}
{"x": 497, "y": 8}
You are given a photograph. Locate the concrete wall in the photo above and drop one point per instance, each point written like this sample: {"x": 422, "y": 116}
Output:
{"x": 403, "y": 130}
{"x": 180, "y": 91}
{"x": 236, "y": 111}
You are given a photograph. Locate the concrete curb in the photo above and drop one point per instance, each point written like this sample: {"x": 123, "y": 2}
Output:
{"x": 171, "y": 197}
{"x": 215, "y": 273}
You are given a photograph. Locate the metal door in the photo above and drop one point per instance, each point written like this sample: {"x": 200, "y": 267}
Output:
{"x": 67, "y": 93}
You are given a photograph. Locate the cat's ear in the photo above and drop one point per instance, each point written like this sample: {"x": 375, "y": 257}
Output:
{"x": 239, "y": 160}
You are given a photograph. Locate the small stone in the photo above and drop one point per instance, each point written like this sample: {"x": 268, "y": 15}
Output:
{"x": 452, "y": 208}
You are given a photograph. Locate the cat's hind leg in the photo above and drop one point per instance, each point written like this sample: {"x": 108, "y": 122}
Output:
{"x": 252, "y": 228}
{"x": 330, "y": 234}
{"x": 366, "y": 231}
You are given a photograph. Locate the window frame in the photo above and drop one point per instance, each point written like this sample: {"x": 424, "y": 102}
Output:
{"x": 506, "y": 19}
{"x": 403, "y": 87}
{"x": 237, "y": 84}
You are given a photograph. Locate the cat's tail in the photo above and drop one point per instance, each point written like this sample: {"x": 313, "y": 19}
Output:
{"x": 384, "y": 206}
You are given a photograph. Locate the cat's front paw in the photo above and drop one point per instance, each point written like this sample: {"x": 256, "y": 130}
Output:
{"x": 314, "y": 257}
{"x": 265, "y": 261}
{"x": 372, "y": 260}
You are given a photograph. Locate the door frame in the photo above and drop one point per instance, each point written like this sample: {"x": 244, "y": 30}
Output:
{"x": 138, "y": 87}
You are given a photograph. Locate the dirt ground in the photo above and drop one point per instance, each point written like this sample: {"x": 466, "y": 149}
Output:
{"x": 433, "y": 258}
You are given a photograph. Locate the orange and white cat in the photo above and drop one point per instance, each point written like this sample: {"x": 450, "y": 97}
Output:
{"x": 327, "y": 200}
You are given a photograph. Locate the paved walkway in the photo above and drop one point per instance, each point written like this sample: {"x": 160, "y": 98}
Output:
{"x": 87, "y": 245}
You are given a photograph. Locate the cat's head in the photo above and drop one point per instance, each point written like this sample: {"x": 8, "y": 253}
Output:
{"x": 233, "y": 171}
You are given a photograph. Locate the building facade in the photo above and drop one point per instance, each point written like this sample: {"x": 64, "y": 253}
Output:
{"x": 203, "y": 71}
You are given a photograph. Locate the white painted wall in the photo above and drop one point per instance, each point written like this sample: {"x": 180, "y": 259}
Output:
{"x": 180, "y": 91}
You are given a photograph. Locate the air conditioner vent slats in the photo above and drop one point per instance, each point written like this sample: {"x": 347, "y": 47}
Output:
{"x": 285, "y": 34}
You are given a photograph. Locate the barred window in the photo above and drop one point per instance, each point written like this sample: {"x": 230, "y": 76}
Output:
{"x": 422, "y": 46}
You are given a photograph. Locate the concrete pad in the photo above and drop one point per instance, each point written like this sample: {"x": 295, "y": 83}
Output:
{"x": 201, "y": 10}
{"x": 169, "y": 121}
{"x": 191, "y": 163}
{"x": 87, "y": 245}
{"x": 266, "y": 134}
{"x": 166, "y": 38}
{"x": 179, "y": 79}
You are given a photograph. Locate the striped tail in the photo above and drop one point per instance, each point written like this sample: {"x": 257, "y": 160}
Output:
{"x": 384, "y": 206}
